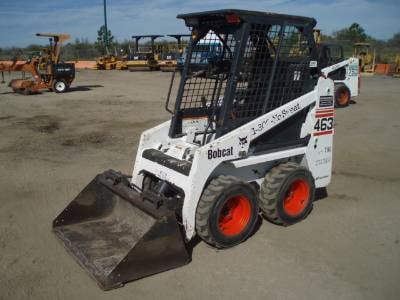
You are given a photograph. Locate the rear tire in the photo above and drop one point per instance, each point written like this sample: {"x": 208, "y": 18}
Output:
{"x": 287, "y": 194}
{"x": 342, "y": 95}
{"x": 60, "y": 86}
{"x": 27, "y": 91}
{"x": 227, "y": 212}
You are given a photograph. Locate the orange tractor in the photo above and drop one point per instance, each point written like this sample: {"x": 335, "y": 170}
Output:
{"x": 56, "y": 77}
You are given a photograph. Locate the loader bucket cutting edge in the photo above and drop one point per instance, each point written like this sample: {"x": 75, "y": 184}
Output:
{"x": 115, "y": 237}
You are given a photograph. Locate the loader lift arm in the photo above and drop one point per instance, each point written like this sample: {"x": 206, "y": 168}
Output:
{"x": 330, "y": 69}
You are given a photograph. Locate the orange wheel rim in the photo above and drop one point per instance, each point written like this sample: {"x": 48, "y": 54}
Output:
{"x": 343, "y": 97}
{"x": 296, "y": 198}
{"x": 234, "y": 215}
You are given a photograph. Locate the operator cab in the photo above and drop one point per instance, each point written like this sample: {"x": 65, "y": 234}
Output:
{"x": 206, "y": 52}
{"x": 330, "y": 54}
{"x": 227, "y": 83}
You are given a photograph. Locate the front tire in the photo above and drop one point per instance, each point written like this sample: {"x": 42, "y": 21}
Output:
{"x": 287, "y": 194}
{"x": 227, "y": 212}
{"x": 149, "y": 183}
{"x": 60, "y": 86}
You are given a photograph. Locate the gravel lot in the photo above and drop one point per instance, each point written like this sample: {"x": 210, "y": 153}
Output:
{"x": 52, "y": 145}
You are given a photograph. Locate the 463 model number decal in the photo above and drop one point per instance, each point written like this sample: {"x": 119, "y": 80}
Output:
{"x": 324, "y": 123}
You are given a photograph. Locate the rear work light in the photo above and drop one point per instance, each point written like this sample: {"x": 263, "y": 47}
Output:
{"x": 233, "y": 19}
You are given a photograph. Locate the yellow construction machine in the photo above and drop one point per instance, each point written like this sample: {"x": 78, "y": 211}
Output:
{"x": 111, "y": 62}
{"x": 168, "y": 58}
{"x": 143, "y": 58}
{"x": 106, "y": 62}
{"x": 396, "y": 70}
{"x": 121, "y": 63}
{"x": 317, "y": 35}
{"x": 366, "y": 55}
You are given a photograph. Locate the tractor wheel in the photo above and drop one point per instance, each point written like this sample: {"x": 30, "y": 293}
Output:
{"x": 342, "y": 95}
{"x": 27, "y": 91}
{"x": 227, "y": 212}
{"x": 149, "y": 183}
{"x": 287, "y": 194}
{"x": 60, "y": 86}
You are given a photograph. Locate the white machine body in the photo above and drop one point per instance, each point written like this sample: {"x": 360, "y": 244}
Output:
{"x": 229, "y": 154}
{"x": 352, "y": 79}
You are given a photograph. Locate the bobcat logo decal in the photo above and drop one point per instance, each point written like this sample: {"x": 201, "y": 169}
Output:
{"x": 243, "y": 141}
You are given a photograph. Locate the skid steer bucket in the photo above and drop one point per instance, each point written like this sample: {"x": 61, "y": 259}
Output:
{"x": 115, "y": 236}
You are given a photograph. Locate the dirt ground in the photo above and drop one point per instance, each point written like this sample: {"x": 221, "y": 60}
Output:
{"x": 52, "y": 145}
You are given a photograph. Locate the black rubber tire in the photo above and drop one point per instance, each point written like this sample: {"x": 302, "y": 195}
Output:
{"x": 210, "y": 206}
{"x": 341, "y": 88}
{"x": 274, "y": 188}
{"x": 57, "y": 84}
{"x": 149, "y": 183}
{"x": 27, "y": 92}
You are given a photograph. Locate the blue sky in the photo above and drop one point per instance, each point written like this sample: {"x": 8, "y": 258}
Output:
{"x": 21, "y": 19}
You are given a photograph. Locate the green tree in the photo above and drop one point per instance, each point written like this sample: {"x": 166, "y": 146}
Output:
{"x": 326, "y": 38}
{"x": 394, "y": 42}
{"x": 104, "y": 40}
{"x": 353, "y": 34}
{"x": 347, "y": 36}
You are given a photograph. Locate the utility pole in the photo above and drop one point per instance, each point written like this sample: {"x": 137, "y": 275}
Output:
{"x": 105, "y": 25}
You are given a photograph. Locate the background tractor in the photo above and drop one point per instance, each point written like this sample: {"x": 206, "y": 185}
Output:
{"x": 396, "y": 71}
{"x": 143, "y": 58}
{"x": 366, "y": 55}
{"x": 168, "y": 58}
{"x": 57, "y": 75}
{"x": 106, "y": 62}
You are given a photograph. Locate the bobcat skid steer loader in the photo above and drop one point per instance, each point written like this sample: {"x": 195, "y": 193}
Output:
{"x": 251, "y": 132}
{"x": 345, "y": 73}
